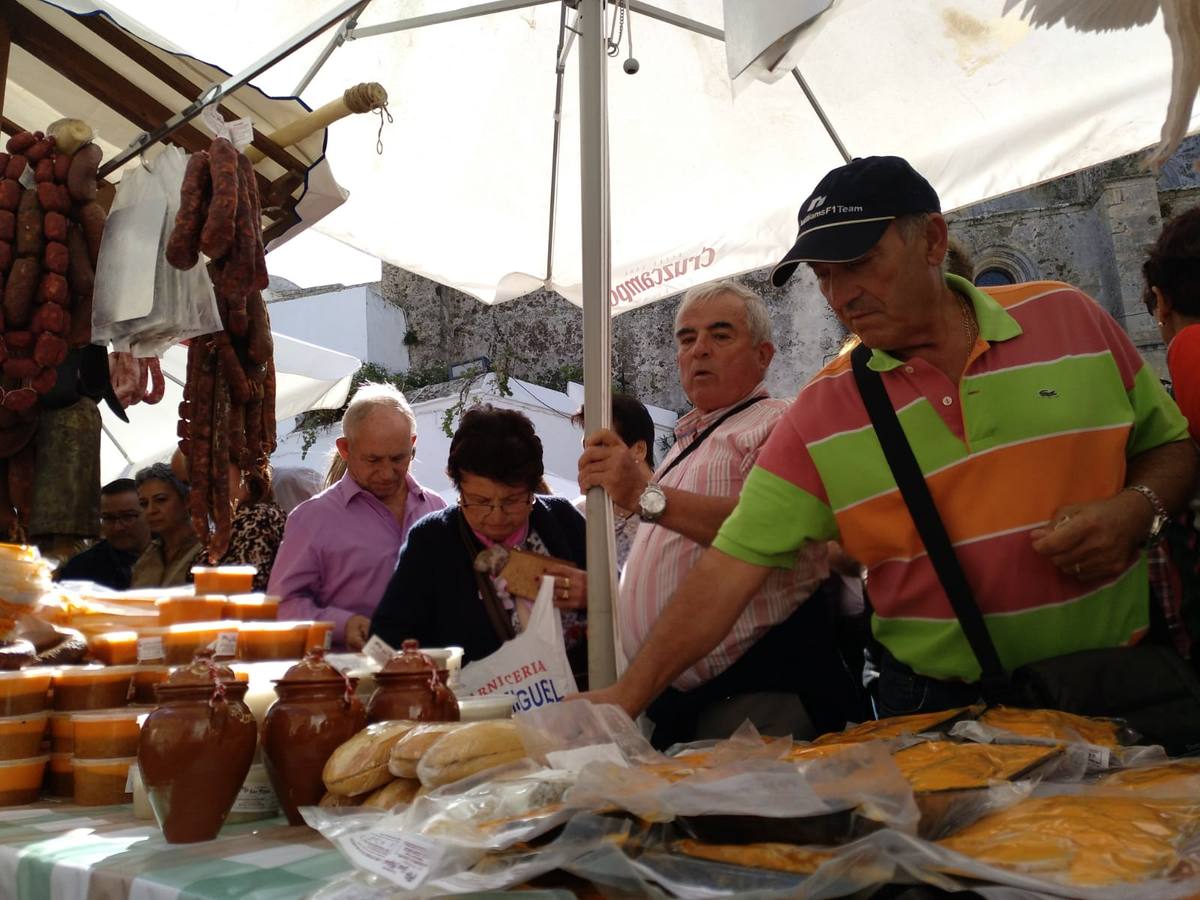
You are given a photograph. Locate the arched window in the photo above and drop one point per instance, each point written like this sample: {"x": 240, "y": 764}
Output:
{"x": 994, "y": 276}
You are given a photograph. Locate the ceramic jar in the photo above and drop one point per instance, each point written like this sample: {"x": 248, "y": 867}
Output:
{"x": 409, "y": 688}
{"x": 196, "y": 748}
{"x": 316, "y": 712}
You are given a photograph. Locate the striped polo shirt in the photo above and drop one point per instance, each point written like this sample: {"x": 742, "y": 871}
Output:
{"x": 1053, "y": 401}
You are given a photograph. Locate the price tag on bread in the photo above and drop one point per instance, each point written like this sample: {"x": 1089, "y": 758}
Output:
{"x": 521, "y": 570}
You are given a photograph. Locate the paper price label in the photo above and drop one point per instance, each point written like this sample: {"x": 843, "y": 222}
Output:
{"x": 149, "y": 649}
{"x": 239, "y": 132}
{"x": 378, "y": 650}
{"x": 27, "y": 179}
{"x": 403, "y": 859}
{"x": 1098, "y": 757}
{"x": 255, "y": 798}
{"x": 225, "y": 644}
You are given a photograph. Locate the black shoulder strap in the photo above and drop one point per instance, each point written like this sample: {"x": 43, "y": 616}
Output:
{"x": 700, "y": 438}
{"x": 911, "y": 482}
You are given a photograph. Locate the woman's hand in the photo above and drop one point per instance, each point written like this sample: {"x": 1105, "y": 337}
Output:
{"x": 570, "y": 587}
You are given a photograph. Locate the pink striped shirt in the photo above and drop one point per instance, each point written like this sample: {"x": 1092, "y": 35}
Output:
{"x": 660, "y": 558}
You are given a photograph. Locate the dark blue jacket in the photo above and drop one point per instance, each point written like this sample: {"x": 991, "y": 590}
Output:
{"x": 433, "y": 595}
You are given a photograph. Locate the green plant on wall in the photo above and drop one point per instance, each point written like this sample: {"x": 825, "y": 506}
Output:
{"x": 312, "y": 423}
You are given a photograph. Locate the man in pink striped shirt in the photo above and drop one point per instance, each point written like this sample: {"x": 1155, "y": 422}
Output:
{"x": 723, "y": 348}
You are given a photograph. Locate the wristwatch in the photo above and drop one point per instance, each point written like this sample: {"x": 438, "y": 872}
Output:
{"x": 652, "y": 503}
{"x": 1160, "y": 513}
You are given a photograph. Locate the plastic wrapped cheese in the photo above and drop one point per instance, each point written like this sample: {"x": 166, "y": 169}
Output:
{"x": 1085, "y": 840}
{"x": 942, "y": 765}
{"x": 1054, "y": 725}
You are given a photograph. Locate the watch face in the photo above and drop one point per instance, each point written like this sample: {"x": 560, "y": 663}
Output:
{"x": 653, "y": 502}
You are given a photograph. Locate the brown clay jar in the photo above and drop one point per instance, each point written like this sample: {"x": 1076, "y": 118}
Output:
{"x": 196, "y": 748}
{"x": 316, "y": 713}
{"x": 408, "y": 687}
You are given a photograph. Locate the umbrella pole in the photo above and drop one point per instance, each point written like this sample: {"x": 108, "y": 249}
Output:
{"x": 597, "y": 404}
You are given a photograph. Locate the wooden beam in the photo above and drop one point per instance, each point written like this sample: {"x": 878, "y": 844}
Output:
{"x": 5, "y": 44}
{"x": 181, "y": 84}
{"x": 280, "y": 227}
{"x": 9, "y": 127}
{"x": 44, "y": 42}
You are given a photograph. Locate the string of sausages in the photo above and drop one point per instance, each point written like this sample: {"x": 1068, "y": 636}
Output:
{"x": 228, "y": 409}
{"x": 50, "y": 231}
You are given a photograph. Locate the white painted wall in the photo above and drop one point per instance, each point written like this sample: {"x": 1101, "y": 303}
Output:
{"x": 353, "y": 320}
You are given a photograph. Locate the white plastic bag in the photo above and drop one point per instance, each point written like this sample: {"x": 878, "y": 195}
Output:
{"x": 532, "y": 668}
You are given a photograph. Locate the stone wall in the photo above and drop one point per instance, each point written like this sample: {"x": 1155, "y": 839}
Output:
{"x": 539, "y": 337}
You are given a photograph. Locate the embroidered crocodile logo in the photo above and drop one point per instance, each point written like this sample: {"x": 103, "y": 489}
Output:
{"x": 1047, "y": 392}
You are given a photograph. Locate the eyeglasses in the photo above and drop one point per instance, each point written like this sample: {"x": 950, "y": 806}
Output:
{"x": 508, "y": 505}
{"x": 125, "y": 518}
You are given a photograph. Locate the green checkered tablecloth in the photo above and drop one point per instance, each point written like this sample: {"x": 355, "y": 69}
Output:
{"x": 58, "y": 851}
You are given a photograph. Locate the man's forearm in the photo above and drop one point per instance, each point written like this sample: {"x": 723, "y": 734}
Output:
{"x": 1169, "y": 470}
{"x": 696, "y": 516}
{"x": 700, "y": 614}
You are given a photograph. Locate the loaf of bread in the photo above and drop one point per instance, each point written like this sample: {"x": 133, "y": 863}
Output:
{"x": 408, "y": 751}
{"x": 333, "y": 801}
{"x": 395, "y": 793}
{"x": 468, "y": 749}
{"x": 361, "y": 764}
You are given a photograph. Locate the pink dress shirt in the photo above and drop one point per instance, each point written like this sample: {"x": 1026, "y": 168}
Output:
{"x": 339, "y": 551}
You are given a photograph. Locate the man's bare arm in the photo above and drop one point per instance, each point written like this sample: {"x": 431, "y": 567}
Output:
{"x": 699, "y": 615}
{"x": 1169, "y": 470}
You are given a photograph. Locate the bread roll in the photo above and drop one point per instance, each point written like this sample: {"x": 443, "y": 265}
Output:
{"x": 408, "y": 751}
{"x": 468, "y": 749}
{"x": 333, "y": 801}
{"x": 402, "y": 790}
{"x": 361, "y": 764}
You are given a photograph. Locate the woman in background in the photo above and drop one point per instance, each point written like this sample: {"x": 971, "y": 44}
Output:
{"x": 174, "y": 549}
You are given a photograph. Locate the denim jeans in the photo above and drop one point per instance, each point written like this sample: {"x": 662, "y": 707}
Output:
{"x": 901, "y": 691}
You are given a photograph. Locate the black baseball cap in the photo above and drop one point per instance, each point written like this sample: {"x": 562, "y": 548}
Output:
{"x": 851, "y": 208}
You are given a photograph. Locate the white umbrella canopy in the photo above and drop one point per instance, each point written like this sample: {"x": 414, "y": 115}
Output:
{"x": 306, "y": 377}
{"x": 702, "y": 186}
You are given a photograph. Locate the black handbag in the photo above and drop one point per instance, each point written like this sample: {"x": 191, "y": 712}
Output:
{"x": 1150, "y": 687}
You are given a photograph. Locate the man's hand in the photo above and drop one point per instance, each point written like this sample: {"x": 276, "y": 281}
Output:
{"x": 570, "y": 587}
{"x": 614, "y": 695}
{"x": 357, "y": 629}
{"x": 1093, "y": 541}
{"x": 607, "y": 462}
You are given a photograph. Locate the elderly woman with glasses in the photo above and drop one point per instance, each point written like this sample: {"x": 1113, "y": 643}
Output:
{"x": 168, "y": 560}
{"x": 437, "y": 596}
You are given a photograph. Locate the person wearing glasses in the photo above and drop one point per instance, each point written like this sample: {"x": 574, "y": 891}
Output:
{"x": 339, "y": 548}
{"x": 436, "y": 595}
{"x": 124, "y": 535}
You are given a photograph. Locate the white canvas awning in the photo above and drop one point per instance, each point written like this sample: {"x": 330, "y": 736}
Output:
{"x": 306, "y": 377}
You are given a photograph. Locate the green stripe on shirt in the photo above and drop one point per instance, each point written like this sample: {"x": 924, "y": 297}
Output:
{"x": 783, "y": 518}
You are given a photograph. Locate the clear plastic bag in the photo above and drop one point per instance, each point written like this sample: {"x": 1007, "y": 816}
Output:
{"x": 142, "y": 304}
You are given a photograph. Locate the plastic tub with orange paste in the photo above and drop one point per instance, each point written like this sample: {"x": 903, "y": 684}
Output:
{"x": 62, "y": 733}
{"x": 320, "y": 636}
{"x": 102, "y": 782}
{"x": 92, "y": 687}
{"x": 177, "y": 610}
{"x": 114, "y": 648}
{"x": 224, "y": 579}
{"x": 21, "y": 780}
{"x": 21, "y": 736}
{"x": 252, "y": 607}
{"x": 60, "y": 775}
{"x": 180, "y": 642}
{"x": 272, "y": 640}
{"x": 24, "y": 691}
{"x": 107, "y": 734}
{"x": 145, "y": 681}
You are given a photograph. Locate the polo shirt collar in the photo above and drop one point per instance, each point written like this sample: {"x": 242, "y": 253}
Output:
{"x": 694, "y": 420}
{"x": 995, "y": 324}
{"x": 347, "y": 489}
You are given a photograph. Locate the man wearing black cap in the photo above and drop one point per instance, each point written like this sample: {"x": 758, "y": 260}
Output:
{"x": 1051, "y": 452}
